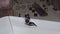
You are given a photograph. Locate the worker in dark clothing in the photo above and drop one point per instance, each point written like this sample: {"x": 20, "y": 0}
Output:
{"x": 27, "y": 20}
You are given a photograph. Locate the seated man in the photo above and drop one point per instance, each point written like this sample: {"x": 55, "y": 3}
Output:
{"x": 27, "y": 20}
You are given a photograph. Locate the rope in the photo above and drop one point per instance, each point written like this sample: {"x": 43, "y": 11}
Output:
{"x": 11, "y": 26}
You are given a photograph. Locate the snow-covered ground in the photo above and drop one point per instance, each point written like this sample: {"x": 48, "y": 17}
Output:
{"x": 16, "y": 25}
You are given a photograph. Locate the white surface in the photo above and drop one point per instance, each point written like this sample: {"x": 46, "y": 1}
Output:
{"x": 19, "y": 27}
{"x": 5, "y": 27}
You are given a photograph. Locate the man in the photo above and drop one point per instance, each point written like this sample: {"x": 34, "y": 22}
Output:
{"x": 27, "y": 20}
